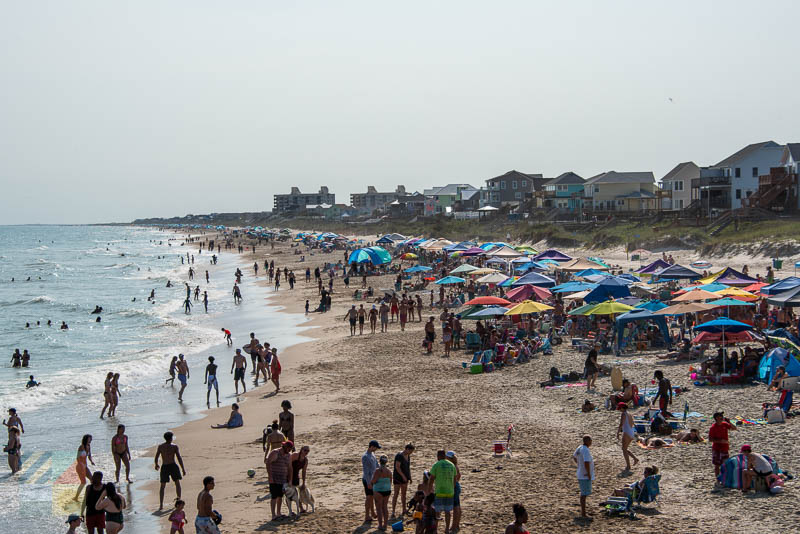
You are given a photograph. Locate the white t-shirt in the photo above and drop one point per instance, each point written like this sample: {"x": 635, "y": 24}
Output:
{"x": 761, "y": 464}
{"x": 582, "y": 455}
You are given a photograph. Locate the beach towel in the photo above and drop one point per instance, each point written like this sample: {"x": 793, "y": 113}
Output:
{"x": 759, "y": 421}
{"x": 730, "y": 475}
{"x": 573, "y": 385}
{"x": 679, "y": 415}
{"x": 669, "y": 443}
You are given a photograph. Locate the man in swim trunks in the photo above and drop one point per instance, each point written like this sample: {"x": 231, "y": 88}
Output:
{"x": 211, "y": 379}
{"x": 240, "y": 363}
{"x": 169, "y": 452}
{"x": 352, "y": 316}
{"x": 362, "y": 316}
{"x": 252, "y": 348}
{"x": 204, "y": 522}
{"x": 183, "y": 374}
{"x": 384, "y": 313}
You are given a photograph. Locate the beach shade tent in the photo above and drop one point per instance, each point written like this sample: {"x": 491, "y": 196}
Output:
{"x": 722, "y": 325}
{"x": 727, "y": 302}
{"x": 640, "y": 314}
{"x": 385, "y": 240}
{"x": 438, "y": 244}
{"x": 652, "y": 305}
{"x": 696, "y": 295}
{"x": 528, "y": 307}
{"x": 472, "y": 251}
{"x": 493, "y": 245}
{"x": 590, "y": 272}
{"x": 755, "y": 288}
{"x": 528, "y": 292}
{"x": 732, "y": 277}
{"x": 504, "y": 252}
{"x": 630, "y": 301}
{"x": 713, "y": 287}
{"x": 449, "y": 280}
{"x": 458, "y": 247}
{"x": 508, "y": 281}
{"x": 408, "y": 256}
{"x": 787, "y": 299}
{"x": 600, "y": 278}
{"x": 527, "y": 249}
{"x": 582, "y": 310}
{"x": 535, "y": 279}
{"x": 463, "y": 269}
{"x": 469, "y": 311}
{"x": 553, "y": 255}
{"x": 630, "y": 276}
{"x": 418, "y": 269}
{"x": 580, "y": 295}
{"x": 779, "y": 287}
{"x": 374, "y": 255}
{"x": 395, "y": 237}
{"x": 676, "y": 272}
{"x": 775, "y": 358}
{"x": 482, "y": 271}
{"x": 572, "y": 287}
{"x": 599, "y": 261}
{"x": 553, "y": 263}
{"x": 683, "y": 308}
{"x": 708, "y": 337}
{"x": 497, "y": 261}
{"x": 580, "y": 264}
{"x": 487, "y": 301}
{"x": 492, "y": 278}
{"x": 736, "y": 293}
{"x": 651, "y": 268}
{"x": 608, "y": 288}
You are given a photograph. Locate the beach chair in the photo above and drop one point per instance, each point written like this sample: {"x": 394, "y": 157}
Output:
{"x": 648, "y": 493}
{"x": 472, "y": 341}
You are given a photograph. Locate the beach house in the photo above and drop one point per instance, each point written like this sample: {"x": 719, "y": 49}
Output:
{"x": 294, "y": 201}
{"x": 374, "y": 200}
{"x": 564, "y": 192}
{"x": 621, "y": 192}
{"x": 442, "y": 199}
{"x": 679, "y": 181}
{"x": 511, "y": 188}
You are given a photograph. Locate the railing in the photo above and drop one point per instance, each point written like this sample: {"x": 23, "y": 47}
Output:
{"x": 711, "y": 181}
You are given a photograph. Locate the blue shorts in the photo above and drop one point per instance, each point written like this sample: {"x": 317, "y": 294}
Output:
{"x": 182, "y": 379}
{"x": 443, "y": 504}
{"x": 586, "y": 487}
{"x": 457, "y": 496}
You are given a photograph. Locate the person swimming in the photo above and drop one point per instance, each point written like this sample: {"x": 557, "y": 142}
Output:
{"x": 32, "y": 383}
{"x": 97, "y": 309}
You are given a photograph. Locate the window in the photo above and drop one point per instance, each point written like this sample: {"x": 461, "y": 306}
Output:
{"x": 678, "y": 185}
{"x": 597, "y": 189}
{"x": 680, "y": 203}
{"x": 748, "y": 193}
{"x": 502, "y": 185}
{"x": 738, "y": 192}
{"x": 514, "y": 184}
{"x": 517, "y": 195}
{"x": 755, "y": 172}
{"x": 737, "y": 172}
{"x": 621, "y": 202}
{"x": 561, "y": 187}
{"x": 524, "y": 184}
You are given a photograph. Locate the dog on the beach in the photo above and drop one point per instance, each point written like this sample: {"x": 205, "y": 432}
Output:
{"x": 293, "y": 494}
{"x": 306, "y": 499}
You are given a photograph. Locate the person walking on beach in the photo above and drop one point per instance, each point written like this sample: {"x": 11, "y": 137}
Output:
{"x": 279, "y": 472}
{"x": 113, "y": 503}
{"x": 183, "y": 375}
{"x": 430, "y": 335}
{"x": 381, "y": 488}
{"x": 252, "y": 348}
{"x": 205, "y": 300}
{"x": 286, "y": 419}
{"x": 384, "y": 313}
{"x": 718, "y": 436}
{"x": 81, "y": 467}
{"x": 169, "y": 452}
{"x": 121, "y": 453}
{"x": 207, "y": 277}
{"x": 419, "y": 309}
{"x": 240, "y": 365}
{"x": 583, "y": 458}
{"x": 626, "y": 428}
{"x": 443, "y": 480}
{"x": 373, "y": 319}
{"x": 362, "y": 317}
{"x": 262, "y": 354}
{"x": 95, "y": 519}
{"x": 275, "y": 370}
{"x": 187, "y": 306}
{"x": 172, "y": 367}
{"x": 211, "y": 379}
{"x": 115, "y": 395}
{"x": 664, "y": 394}
{"x": 369, "y": 464}
{"x": 520, "y": 518}
{"x": 352, "y": 316}
{"x": 204, "y": 522}
{"x": 13, "y": 449}
{"x": 13, "y": 421}
{"x": 107, "y": 394}
{"x": 237, "y": 294}
{"x": 401, "y": 477}
{"x": 591, "y": 369}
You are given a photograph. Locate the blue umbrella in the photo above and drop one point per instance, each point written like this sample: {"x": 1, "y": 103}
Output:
{"x": 490, "y": 311}
{"x": 418, "y": 269}
{"x": 722, "y": 325}
{"x": 652, "y": 305}
{"x": 727, "y": 301}
{"x": 449, "y": 280}
{"x": 572, "y": 287}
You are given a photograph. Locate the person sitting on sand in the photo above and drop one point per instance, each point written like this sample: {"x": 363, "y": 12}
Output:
{"x": 520, "y": 518}
{"x": 587, "y": 406}
{"x": 691, "y": 436}
{"x": 757, "y": 465}
{"x": 626, "y": 396}
{"x": 234, "y": 421}
{"x": 777, "y": 380}
{"x": 659, "y": 424}
{"x": 627, "y": 490}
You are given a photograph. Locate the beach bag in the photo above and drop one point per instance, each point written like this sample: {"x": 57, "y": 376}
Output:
{"x": 774, "y": 415}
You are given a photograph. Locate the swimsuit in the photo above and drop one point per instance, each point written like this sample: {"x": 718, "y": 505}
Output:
{"x": 114, "y": 517}
{"x": 627, "y": 429}
{"x": 212, "y": 382}
{"x": 182, "y": 378}
{"x": 177, "y": 523}
{"x": 204, "y": 525}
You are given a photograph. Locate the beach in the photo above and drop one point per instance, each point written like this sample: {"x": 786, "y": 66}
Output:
{"x": 346, "y": 391}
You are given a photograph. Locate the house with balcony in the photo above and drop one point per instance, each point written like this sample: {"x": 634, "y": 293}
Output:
{"x": 409, "y": 205}
{"x": 442, "y": 199}
{"x": 679, "y": 182}
{"x": 564, "y": 192}
{"x": 730, "y": 182}
{"x": 297, "y": 201}
{"x": 622, "y": 191}
{"x": 512, "y": 188}
{"x": 374, "y": 200}
{"x": 779, "y": 191}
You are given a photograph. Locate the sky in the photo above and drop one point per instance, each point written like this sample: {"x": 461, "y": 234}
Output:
{"x": 111, "y": 111}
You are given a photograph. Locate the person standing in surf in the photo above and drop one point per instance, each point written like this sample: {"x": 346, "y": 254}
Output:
{"x": 275, "y": 368}
{"x": 121, "y": 453}
{"x": 115, "y": 395}
{"x": 107, "y": 395}
{"x": 81, "y": 468}
{"x": 239, "y": 364}
{"x": 211, "y": 380}
{"x": 169, "y": 452}
{"x": 183, "y": 375}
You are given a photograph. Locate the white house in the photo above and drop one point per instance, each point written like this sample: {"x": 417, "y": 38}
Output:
{"x": 679, "y": 181}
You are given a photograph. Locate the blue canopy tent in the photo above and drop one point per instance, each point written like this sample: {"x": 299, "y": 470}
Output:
{"x": 385, "y": 240}
{"x": 572, "y": 287}
{"x": 779, "y": 287}
{"x": 676, "y": 272}
{"x": 552, "y": 255}
{"x": 652, "y": 305}
{"x": 609, "y": 288}
{"x": 652, "y": 267}
{"x": 775, "y": 358}
{"x": 640, "y": 314}
{"x": 600, "y": 278}
{"x": 534, "y": 279}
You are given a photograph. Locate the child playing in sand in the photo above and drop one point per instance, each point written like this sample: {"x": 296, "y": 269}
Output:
{"x": 177, "y": 517}
{"x": 429, "y": 522}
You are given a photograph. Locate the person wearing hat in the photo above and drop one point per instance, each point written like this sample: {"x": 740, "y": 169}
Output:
{"x": 718, "y": 436}
{"x": 369, "y": 464}
{"x": 757, "y": 465}
{"x": 381, "y": 482}
{"x": 74, "y": 521}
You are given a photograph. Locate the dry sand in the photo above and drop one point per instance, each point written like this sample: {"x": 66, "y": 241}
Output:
{"x": 346, "y": 391}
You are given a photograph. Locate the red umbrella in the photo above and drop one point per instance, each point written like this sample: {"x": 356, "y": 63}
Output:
{"x": 526, "y": 292}
{"x": 429, "y": 278}
{"x": 755, "y": 288}
{"x": 716, "y": 337}
{"x": 487, "y": 301}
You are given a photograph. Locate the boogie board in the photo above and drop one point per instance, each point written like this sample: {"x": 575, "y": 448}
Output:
{"x": 246, "y": 349}
{"x": 616, "y": 379}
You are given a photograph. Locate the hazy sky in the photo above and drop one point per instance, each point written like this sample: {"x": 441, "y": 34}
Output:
{"x": 111, "y": 111}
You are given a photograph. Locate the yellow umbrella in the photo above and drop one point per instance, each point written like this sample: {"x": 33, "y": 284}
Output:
{"x": 736, "y": 292}
{"x": 528, "y": 306}
{"x": 609, "y": 308}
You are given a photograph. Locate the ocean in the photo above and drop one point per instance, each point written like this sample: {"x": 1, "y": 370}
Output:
{"x": 60, "y": 273}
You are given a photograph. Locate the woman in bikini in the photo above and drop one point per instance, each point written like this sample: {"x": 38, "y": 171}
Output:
{"x": 382, "y": 488}
{"x": 107, "y": 395}
{"x": 113, "y": 503}
{"x": 115, "y": 395}
{"x": 81, "y": 468}
{"x": 286, "y": 420}
{"x": 626, "y": 428}
{"x": 520, "y": 518}
{"x": 121, "y": 453}
{"x": 13, "y": 448}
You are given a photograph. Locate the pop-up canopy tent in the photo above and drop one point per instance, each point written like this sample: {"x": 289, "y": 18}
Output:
{"x": 652, "y": 267}
{"x": 641, "y": 314}
{"x": 581, "y": 264}
{"x": 552, "y": 254}
{"x": 676, "y": 272}
{"x": 775, "y": 358}
{"x": 787, "y": 299}
{"x": 606, "y": 289}
{"x": 535, "y": 279}
{"x": 732, "y": 277}
{"x": 779, "y": 287}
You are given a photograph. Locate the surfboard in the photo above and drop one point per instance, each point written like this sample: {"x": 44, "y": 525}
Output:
{"x": 616, "y": 379}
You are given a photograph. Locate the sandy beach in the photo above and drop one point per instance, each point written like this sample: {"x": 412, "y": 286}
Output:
{"x": 348, "y": 390}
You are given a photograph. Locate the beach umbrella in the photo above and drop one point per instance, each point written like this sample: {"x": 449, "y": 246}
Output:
{"x": 609, "y": 307}
{"x": 683, "y": 308}
{"x": 526, "y": 249}
{"x": 640, "y": 252}
{"x": 527, "y": 307}
{"x": 722, "y": 325}
{"x": 508, "y": 281}
{"x": 490, "y": 311}
{"x": 590, "y": 272}
{"x": 469, "y": 311}
{"x": 518, "y": 294}
{"x": 582, "y": 310}
{"x": 652, "y": 305}
{"x": 409, "y": 256}
{"x": 729, "y": 337}
{"x": 736, "y": 293}
{"x": 448, "y": 280}
{"x": 418, "y": 269}
{"x": 463, "y": 269}
{"x": 492, "y": 278}
{"x": 488, "y": 301}
{"x": 630, "y": 301}
{"x": 753, "y": 288}
{"x": 429, "y": 278}
{"x": 580, "y": 295}
{"x": 696, "y": 295}
{"x": 482, "y": 270}
{"x": 712, "y": 287}
{"x": 571, "y": 287}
